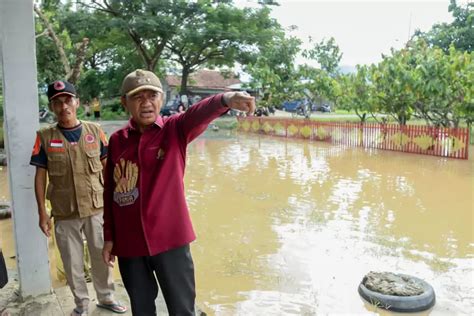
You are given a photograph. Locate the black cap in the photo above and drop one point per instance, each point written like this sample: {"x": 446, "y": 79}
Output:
{"x": 60, "y": 87}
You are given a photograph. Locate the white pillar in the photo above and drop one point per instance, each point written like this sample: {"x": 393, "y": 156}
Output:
{"x": 21, "y": 120}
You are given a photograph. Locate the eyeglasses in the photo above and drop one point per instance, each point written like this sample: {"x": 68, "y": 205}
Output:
{"x": 69, "y": 101}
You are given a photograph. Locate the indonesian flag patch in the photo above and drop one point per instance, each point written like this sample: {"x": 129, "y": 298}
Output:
{"x": 56, "y": 143}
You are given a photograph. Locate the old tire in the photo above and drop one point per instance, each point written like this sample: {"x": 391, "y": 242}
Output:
{"x": 414, "y": 303}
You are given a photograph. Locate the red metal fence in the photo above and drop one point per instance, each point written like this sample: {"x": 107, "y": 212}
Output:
{"x": 426, "y": 140}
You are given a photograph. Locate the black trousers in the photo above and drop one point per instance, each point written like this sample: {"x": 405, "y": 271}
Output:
{"x": 174, "y": 270}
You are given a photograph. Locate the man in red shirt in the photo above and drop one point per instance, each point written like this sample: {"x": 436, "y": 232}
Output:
{"x": 146, "y": 219}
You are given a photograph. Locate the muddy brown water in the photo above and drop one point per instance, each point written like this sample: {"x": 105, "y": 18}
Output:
{"x": 289, "y": 227}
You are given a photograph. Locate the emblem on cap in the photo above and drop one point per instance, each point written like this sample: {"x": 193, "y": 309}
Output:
{"x": 59, "y": 85}
{"x": 143, "y": 80}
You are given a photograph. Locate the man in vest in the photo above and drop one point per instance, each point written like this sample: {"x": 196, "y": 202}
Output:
{"x": 72, "y": 154}
{"x": 146, "y": 219}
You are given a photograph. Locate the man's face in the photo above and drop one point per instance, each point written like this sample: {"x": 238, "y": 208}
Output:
{"x": 65, "y": 107}
{"x": 144, "y": 106}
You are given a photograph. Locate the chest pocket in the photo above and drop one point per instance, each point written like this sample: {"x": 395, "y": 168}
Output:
{"x": 93, "y": 159}
{"x": 57, "y": 165}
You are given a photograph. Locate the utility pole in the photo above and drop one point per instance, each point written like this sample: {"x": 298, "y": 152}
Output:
{"x": 409, "y": 27}
{"x": 21, "y": 120}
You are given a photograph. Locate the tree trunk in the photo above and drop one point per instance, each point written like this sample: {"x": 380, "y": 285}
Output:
{"x": 56, "y": 40}
{"x": 184, "y": 80}
{"x": 73, "y": 77}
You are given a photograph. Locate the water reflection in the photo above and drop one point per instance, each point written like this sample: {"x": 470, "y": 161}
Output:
{"x": 290, "y": 227}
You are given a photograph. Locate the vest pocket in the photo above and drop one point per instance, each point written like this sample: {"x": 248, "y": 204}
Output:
{"x": 98, "y": 198}
{"x": 62, "y": 205}
{"x": 93, "y": 158}
{"x": 56, "y": 165}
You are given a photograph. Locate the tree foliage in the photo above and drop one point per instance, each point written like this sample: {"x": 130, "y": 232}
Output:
{"x": 431, "y": 78}
{"x": 273, "y": 71}
{"x": 327, "y": 54}
{"x": 459, "y": 33}
{"x": 218, "y": 35}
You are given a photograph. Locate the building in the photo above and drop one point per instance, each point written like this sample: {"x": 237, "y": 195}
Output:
{"x": 201, "y": 84}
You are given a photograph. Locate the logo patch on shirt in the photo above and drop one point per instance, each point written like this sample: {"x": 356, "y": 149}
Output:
{"x": 161, "y": 154}
{"x": 125, "y": 178}
{"x": 89, "y": 138}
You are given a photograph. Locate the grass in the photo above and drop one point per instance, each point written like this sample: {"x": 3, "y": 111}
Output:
{"x": 338, "y": 111}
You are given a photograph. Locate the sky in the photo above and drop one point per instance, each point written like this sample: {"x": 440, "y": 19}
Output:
{"x": 363, "y": 30}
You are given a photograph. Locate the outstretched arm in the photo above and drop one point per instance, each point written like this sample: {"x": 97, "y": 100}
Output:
{"x": 196, "y": 119}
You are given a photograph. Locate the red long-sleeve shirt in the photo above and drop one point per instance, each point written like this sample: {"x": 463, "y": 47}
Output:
{"x": 145, "y": 211}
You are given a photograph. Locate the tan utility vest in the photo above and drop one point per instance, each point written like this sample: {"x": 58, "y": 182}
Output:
{"x": 75, "y": 176}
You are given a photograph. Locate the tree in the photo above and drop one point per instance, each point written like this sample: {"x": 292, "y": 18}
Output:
{"x": 327, "y": 54}
{"x": 110, "y": 55}
{"x": 425, "y": 82}
{"x": 274, "y": 73}
{"x": 443, "y": 85}
{"x": 320, "y": 84}
{"x": 356, "y": 93}
{"x": 217, "y": 35}
{"x": 393, "y": 83}
{"x": 459, "y": 33}
{"x": 149, "y": 24}
{"x": 71, "y": 59}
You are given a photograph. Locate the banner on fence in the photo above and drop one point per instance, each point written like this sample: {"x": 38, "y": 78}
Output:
{"x": 426, "y": 140}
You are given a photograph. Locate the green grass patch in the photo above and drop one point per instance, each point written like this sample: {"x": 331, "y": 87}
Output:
{"x": 339, "y": 111}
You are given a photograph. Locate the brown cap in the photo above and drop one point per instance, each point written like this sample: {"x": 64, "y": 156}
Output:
{"x": 139, "y": 80}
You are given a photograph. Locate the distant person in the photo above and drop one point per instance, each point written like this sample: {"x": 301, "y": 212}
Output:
{"x": 184, "y": 100}
{"x": 87, "y": 109}
{"x": 96, "y": 108}
{"x": 146, "y": 218}
{"x": 181, "y": 108}
{"x": 71, "y": 154}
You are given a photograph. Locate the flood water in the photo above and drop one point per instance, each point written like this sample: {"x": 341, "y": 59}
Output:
{"x": 288, "y": 227}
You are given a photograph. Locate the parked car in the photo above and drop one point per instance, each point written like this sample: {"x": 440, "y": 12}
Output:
{"x": 298, "y": 107}
{"x": 170, "y": 108}
{"x": 290, "y": 106}
{"x": 324, "y": 108}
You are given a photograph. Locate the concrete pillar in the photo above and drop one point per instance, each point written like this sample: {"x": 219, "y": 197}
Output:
{"x": 21, "y": 120}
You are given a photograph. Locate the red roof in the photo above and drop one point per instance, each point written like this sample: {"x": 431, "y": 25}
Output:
{"x": 204, "y": 79}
